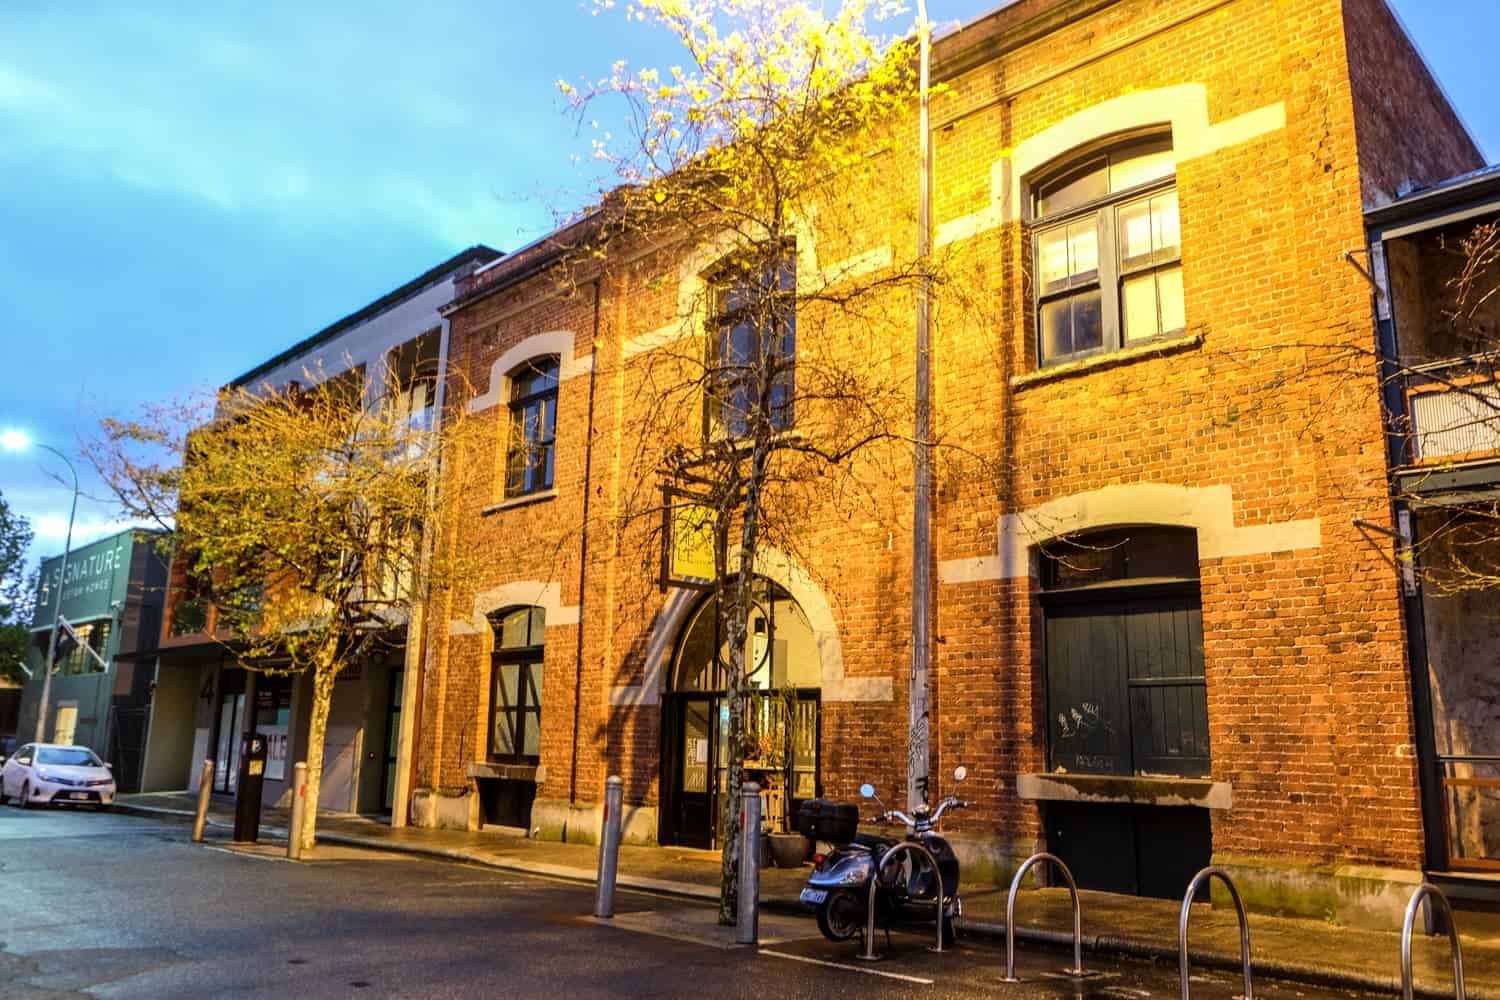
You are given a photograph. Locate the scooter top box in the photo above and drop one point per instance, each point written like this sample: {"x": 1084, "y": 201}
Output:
{"x": 824, "y": 819}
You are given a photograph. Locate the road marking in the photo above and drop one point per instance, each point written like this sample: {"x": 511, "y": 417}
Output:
{"x": 852, "y": 968}
{"x": 243, "y": 854}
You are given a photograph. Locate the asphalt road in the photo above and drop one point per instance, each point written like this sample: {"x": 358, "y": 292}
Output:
{"x": 116, "y": 906}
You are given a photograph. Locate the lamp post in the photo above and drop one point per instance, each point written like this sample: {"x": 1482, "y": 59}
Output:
{"x": 919, "y": 735}
{"x": 18, "y": 441}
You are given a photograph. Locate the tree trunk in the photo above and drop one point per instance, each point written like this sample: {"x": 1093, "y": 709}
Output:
{"x": 736, "y": 626}
{"x": 324, "y": 673}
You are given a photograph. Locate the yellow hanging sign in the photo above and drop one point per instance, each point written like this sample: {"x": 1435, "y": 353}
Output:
{"x": 692, "y": 547}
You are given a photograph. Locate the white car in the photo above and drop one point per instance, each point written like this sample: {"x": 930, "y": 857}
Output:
{"x": 41, "y": 774}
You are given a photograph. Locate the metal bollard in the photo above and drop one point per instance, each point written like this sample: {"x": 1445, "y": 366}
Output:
{"x": 609, "y": 846}
{"x": 747, "y": 929}
{"x": 205, "y": 791}
{"x": 294, "y": 826}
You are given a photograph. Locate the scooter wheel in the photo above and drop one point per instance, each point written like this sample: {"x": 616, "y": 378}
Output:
{"x": 841, "y": 916}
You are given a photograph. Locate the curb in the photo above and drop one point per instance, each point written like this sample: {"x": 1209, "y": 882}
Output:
{"x": 1093, "y": 944}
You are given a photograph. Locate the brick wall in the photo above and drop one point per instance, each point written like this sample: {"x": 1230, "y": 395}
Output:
{"x": 1409, "y": 136}
{"x": 1307, "y": 690}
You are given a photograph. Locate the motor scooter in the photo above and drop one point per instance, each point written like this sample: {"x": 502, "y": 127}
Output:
{"x": 843, "y": 877}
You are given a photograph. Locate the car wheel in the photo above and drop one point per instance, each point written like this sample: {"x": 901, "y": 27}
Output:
{"x": 25, "y": 795}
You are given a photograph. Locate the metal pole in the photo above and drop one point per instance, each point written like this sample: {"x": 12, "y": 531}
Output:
{"x": 609, "y": 846}
{"x": 1010, "y": 917}
{"x": 1206, "y": 875}
{"x": 1435, "y": 896}
{"x": 747, "y": 928}
{"x": 294, "y": 827}
{"x": 911, "y": 847}
{"x": 205, "y": 791}
{"x": 62, "y": 578}
{"x": 917, "y": 754}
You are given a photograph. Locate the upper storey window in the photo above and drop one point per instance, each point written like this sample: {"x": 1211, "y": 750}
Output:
{"x": 752, "y": 344}
{"x": 533, "y": 427}
{"x": 1107, "y": 252}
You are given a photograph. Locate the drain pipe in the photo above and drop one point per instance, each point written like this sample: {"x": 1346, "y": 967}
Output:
{"x": 583, "y": 543}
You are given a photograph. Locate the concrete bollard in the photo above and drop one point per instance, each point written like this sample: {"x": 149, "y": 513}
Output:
{"x": 747, "y": 928}
{"x": 609, "y": 846}
{"x": 205, "y": 791}
{"x": 299, "y": 799}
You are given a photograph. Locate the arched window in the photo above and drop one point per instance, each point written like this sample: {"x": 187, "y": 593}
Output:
{"x": 533, "y": 427}
{"x": 1107, "y": 251}
{"x": 781, "y": 650}
{"x": 516, "y": 685}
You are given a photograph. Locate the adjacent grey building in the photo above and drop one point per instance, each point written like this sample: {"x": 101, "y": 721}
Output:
{"x": 112, "y": 592}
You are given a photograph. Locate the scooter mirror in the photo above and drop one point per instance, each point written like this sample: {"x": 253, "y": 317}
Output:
{"x": 867, "y": 790}
{"x": 960, "y": 773}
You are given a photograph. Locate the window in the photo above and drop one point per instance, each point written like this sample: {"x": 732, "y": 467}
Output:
{"x": 411, "y": 381}
{"x": 752, "y": 341}
{"x": 77, "y": 660}
{"x": 68, "y": 757}
{"x": 516, "y": 685}
{"x": 1107, "y": 253}
{"x": 533, "y": 427}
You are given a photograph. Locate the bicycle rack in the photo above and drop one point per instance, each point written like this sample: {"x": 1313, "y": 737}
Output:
{"x": 1239, "y": 910}
{"x": 906, "y": 845}
{"x": 1010, "y": 917}
{"x": 1428, "y": 890}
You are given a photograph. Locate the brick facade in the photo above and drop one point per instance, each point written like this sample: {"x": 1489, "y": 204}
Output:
{"x": 1287, "y": 119}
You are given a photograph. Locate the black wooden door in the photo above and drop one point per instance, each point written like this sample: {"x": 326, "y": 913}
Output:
{"x": 1125, "y": 685}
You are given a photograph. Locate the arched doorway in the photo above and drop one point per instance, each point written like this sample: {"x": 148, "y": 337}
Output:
{"x": 781, "y": 657}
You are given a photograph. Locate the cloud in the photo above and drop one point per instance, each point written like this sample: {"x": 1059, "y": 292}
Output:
{"x": 310, "y": 122}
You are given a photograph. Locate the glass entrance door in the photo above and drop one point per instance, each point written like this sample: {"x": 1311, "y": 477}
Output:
{"x": 698, "y": 755}
{"x": 227, "y": 760}
{"x": 392, "y": 740}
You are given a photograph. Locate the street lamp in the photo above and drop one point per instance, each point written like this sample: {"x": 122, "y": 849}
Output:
{"x": 13, "y": 440}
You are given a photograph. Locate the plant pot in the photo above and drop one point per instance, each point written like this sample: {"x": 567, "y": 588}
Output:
{"x": 789, "y": 850}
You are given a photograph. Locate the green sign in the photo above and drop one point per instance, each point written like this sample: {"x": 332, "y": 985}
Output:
{"x": 96, "y": 577}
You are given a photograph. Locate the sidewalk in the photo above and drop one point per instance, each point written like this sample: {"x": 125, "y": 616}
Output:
{"x": 1304, "y": 950}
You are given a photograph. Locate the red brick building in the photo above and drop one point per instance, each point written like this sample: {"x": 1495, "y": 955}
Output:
{"x": 1161, "y": 634}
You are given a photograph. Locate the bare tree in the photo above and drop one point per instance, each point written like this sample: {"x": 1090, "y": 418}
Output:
{"x": 771, "y": 176}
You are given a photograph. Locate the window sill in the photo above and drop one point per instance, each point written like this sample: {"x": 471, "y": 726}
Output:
{"x": 1155, "y": 349}
{"x": 1200, "y": 792}
{"x": 525, "y": 500}
{"x": 504, "y": 771}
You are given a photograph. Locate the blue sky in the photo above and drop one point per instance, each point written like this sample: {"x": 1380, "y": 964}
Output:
{"x": 189, "y": 187}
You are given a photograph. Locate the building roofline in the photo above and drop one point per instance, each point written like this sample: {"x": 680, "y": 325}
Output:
{"x": 1437, "y": 81}
{"x": 1438, "y": 205}
{"x": 74, "y": 550}
{"x": 531, "y": 259}
{"x": 477, "y": 253}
